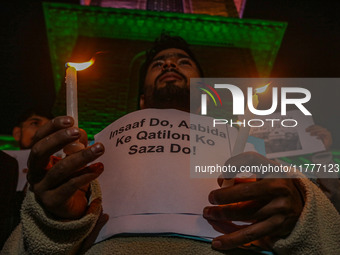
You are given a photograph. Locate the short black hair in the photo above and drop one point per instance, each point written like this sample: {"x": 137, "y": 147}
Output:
{"x": 163, "y": 42}
{"x": 39, "y": 111}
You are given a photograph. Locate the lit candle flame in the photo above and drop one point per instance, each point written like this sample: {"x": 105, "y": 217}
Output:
{"x": 262, "y": 89}
{"x": 81, "y": 66}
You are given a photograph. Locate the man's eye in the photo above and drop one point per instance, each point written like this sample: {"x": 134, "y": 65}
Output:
{"x": 184, "y": 62}
{"x": 157, "y": 64}
{"x": 34, "y": 123}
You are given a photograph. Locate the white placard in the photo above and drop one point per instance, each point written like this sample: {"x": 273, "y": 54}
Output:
{"x": 146, "y": 162}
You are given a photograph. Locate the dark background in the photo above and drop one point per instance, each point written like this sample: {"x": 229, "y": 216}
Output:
{"x": 309, "y": 49}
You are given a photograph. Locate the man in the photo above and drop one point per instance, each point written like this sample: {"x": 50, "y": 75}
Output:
{"x": 27, "y": 125}
{"x": 58, "y": 214}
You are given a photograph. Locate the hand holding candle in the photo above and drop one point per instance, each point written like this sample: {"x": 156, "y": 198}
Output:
{"x": 72, "y": 100}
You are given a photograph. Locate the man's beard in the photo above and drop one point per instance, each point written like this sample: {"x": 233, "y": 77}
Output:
{"x": 170, "y": 95}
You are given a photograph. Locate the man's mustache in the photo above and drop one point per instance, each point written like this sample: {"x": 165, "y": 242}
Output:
{"x": 170, "y": 70}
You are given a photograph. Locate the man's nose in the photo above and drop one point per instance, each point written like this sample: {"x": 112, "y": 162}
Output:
{"x": 169, "y": 64}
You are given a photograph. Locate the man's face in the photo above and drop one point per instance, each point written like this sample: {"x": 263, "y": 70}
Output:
{"x": 25, "y": 133}
{"x": 167, "y": 82}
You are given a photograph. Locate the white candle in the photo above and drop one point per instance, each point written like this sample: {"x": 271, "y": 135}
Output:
{"x": 241, "y": 141}
{"x": 72, "y": 100}
{"x": 242, "y": 137}
{"x": 72, "y": 107}
{"x": 243, "y": 132}
{"x": 71, "y": 94}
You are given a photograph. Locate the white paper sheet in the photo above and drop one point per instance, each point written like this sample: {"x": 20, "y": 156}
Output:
{"x": 135, "y": 183}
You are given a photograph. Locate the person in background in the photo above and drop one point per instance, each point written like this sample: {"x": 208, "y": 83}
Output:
{"x": 25, "y": 128}
{"x": 28, "y": 124}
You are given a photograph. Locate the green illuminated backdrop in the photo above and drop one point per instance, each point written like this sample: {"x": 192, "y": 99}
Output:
{"x": 109, "y": 89}
{"x": 65, "y": 23}
{"x": 77, "y": 32}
